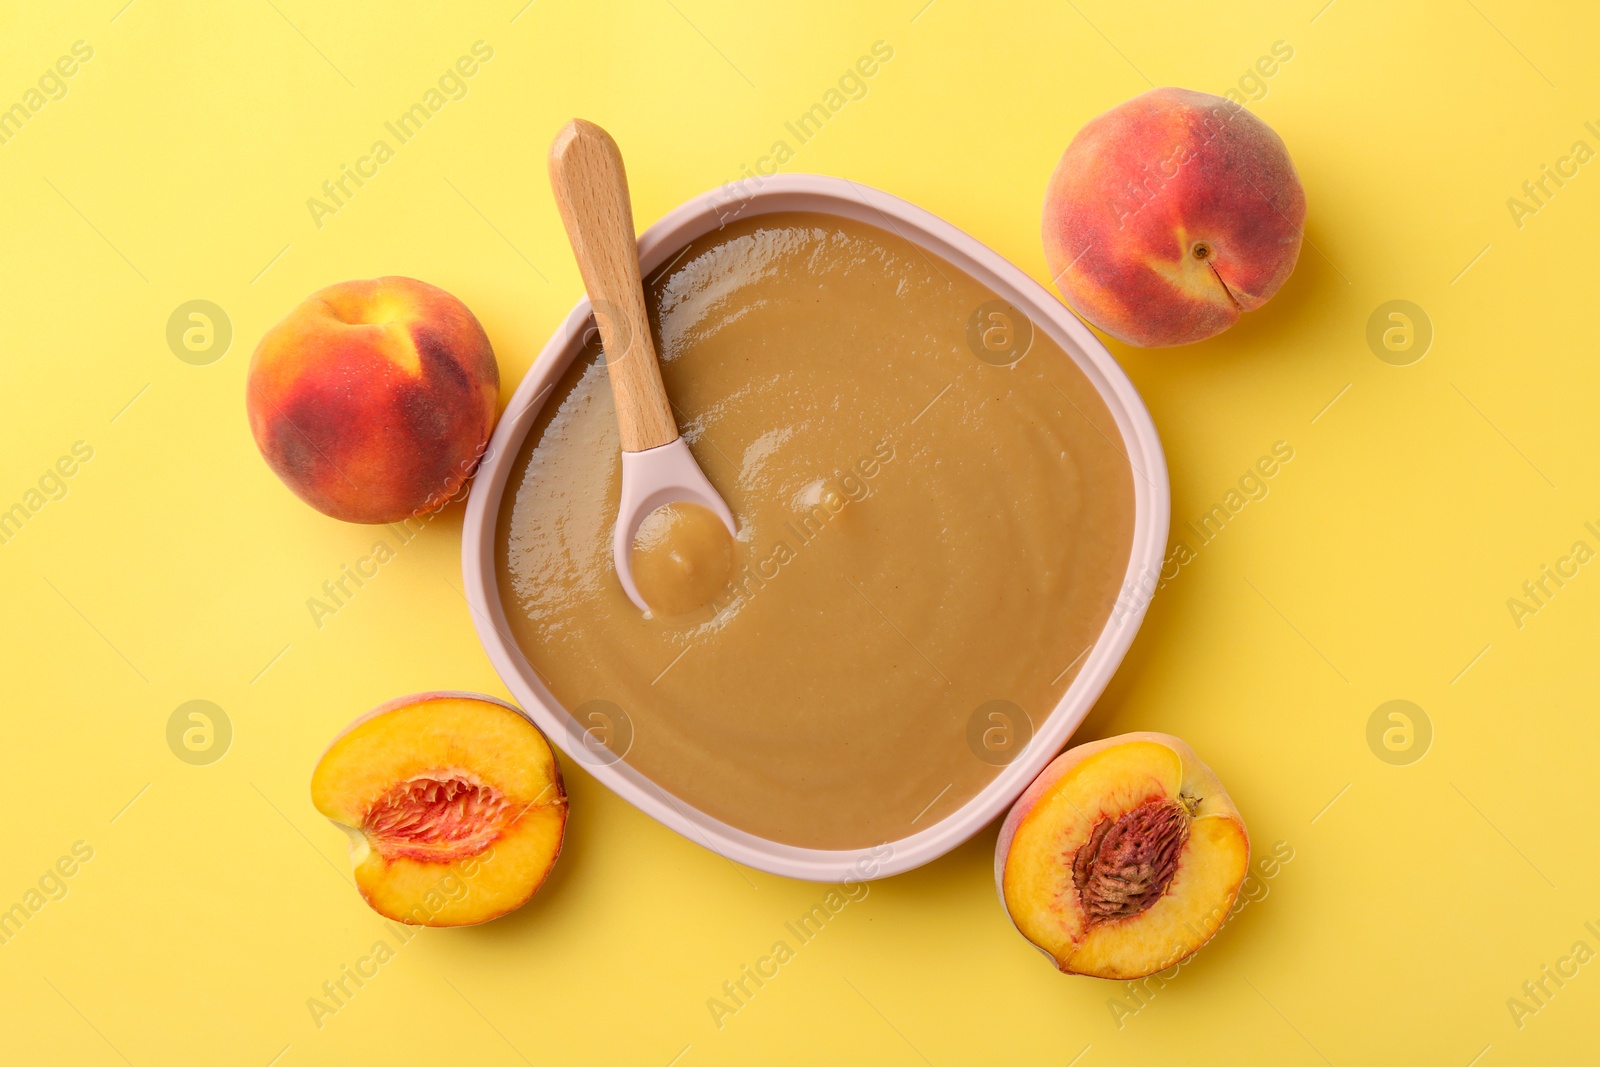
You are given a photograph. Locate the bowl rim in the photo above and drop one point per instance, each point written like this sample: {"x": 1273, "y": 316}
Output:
{"x": 1152, "y": 513}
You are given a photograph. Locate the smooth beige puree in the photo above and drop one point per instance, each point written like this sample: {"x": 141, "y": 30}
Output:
{"x": 682, "y": 558}
{"x": 924, "y": 531}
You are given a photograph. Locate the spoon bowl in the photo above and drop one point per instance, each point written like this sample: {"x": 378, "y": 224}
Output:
{"x": 654, "y": 478}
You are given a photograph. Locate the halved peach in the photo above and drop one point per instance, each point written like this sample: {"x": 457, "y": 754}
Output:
{"x": 453, "y": 803}
{"x": 1123, "y": 857}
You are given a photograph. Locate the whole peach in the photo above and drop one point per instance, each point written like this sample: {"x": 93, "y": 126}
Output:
{"x": 373, "y": 400}
{"x": 1171, "y": 214}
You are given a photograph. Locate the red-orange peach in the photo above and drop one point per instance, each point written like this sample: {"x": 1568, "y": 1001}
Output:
{"x": 1170, "y": 215}
{"x": 373, "y": 400}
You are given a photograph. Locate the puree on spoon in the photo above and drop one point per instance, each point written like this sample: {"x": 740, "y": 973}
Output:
{"x": 935, "y": 522}
{"x": 682, "y": 558}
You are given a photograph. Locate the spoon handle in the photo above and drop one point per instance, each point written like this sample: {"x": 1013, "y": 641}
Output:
{"x": 591, "y": 190}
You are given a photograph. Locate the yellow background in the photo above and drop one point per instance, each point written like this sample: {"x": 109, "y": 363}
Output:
{"x": 177, "y": 567}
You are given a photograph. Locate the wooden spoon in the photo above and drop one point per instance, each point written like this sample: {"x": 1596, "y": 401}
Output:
{"x": 591, "y": 189}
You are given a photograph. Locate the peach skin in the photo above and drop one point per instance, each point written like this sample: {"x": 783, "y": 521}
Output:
{"x": 373, "y": 400}
{"x": 1170, "y": 215}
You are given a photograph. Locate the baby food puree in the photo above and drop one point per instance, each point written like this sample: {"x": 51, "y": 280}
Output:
{"x": 933, "y": 516}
